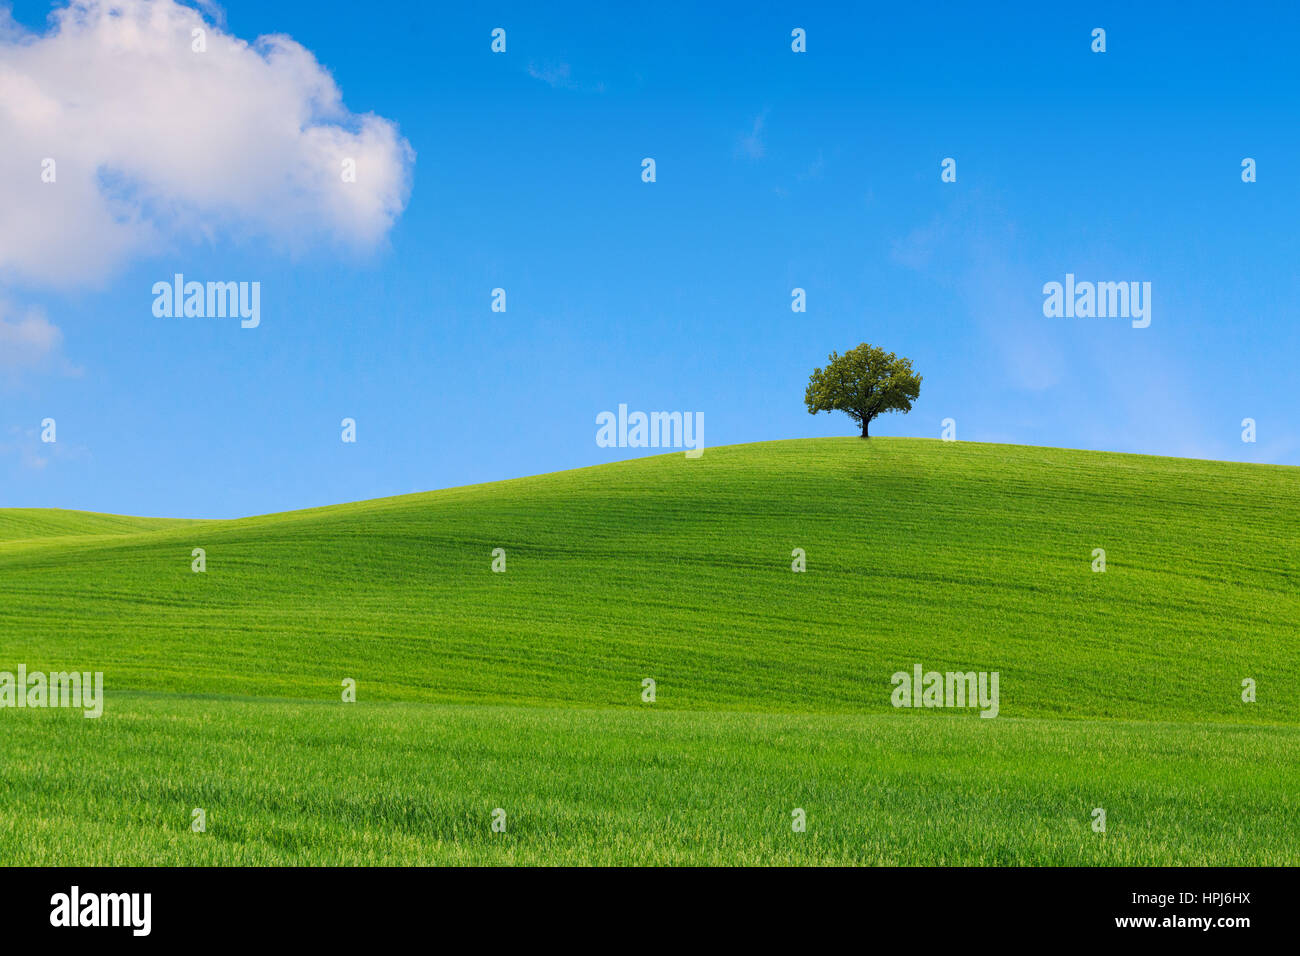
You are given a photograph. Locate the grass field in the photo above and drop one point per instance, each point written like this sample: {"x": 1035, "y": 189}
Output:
{"x": 523, "y": 690}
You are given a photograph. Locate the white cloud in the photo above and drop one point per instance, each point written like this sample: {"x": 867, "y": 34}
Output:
{"x": 28, "y": 343}
{"x": 154, "y": 141}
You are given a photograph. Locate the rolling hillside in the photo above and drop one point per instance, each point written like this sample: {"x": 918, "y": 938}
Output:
{"x": 475, "y": 689}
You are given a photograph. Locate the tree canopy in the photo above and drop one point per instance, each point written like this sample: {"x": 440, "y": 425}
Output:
{"x": 863, "y": 383}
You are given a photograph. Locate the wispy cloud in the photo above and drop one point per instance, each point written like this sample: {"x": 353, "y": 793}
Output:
{"x": 23, "y": 447}
{"x": 814, "y": 170}
{"x": 30, "y": 343}
{"x": 751, "y": 144}
{"x": 559, "y": 76}
{"x": 917, "y": 248}
{"x": 969, "y": 248}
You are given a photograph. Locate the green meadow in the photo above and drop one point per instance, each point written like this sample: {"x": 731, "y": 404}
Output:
{"x": 523, "y": 691}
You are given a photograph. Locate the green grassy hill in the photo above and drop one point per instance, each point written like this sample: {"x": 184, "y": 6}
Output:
{"x": 522, "y": 690}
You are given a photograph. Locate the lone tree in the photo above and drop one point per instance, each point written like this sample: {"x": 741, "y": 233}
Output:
{"x": 862, "y": 383}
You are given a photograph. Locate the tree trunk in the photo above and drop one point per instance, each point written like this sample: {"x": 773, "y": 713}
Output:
{"x": 865, "y": 423}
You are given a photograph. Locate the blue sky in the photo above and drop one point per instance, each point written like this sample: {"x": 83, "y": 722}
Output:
{"x": 775, "y": 170}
